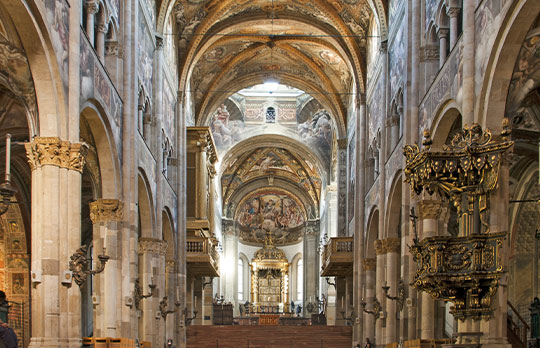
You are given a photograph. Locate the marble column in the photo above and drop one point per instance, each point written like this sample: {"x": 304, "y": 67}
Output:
{"x": 55, "y": 235}
{"x": 443, "y": 45}
{"x": 369, "y": 266}
{"x": 100, "y": 41}
{"x": 106, "y": 215}
{"x": 229, "y": 269}
{"x": 91, "y": 8}
{"x": 453, "y": 13}
{"x": 429, "y": 212}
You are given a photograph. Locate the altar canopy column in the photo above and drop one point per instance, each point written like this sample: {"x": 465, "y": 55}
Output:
{"x": 106, "y": 216}
{"x": 311, "y": 262}
{"x": 429, "y": 212}
{"x": 56, "y": 207}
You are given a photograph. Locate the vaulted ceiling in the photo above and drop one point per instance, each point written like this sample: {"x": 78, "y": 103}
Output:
{"x": 317, "y": 46}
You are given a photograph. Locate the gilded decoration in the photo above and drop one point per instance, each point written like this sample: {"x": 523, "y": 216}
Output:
{"x": 464, "y": 270}
{"x": 152, "y": 246}
{"x": 43, "y": 151}
{"x": 106, "y": 210}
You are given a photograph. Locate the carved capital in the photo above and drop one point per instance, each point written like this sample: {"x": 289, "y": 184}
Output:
{"x": 342, "y": 143}
{"x": 92, "y": 7}
{"x": 388, "y": 245}
{"x": 102, "y": 28}
{"x": 443, "y": 32}
{"x": 392, "y": 121}
{"x": 42, "y": 151}
{"x": 380, "y": 248}
{"x": 369, "y": 264}
{"x": 152, "y": 246}
{"x": 106, "y": 210}
{"x": 159, "y": 42}
{"x": 453, "y": 11}
{"x": 384, "y": 47}
{"x": 429, "y": 209}
{"x": 112, "y": 48}
{"x": 393, "y": 245}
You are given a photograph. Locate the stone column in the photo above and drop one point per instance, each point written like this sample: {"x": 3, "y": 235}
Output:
{"x": 341, "y": 300}
{"x": 443, "y": 45}
{"x": 453, "y": 13}
{"x": 380, "y": 251}
{"x": 151, "y": 252}
{"x": 311, "y": 262}
{"x": 393, "y": 251}
{"x": 91, "y": 8}
{"x": 100, "y": 41}
{"x": 469, "y": 48}
{"x": 359, "y": 222}
{"x": 198, "y": 300}
{"x": 55, "y": 235}
{"x": 106, "y": 215}
{"x": 230, "y": 268}
{"x": 171, "y": 271}
{"x": 429, "y": 211}
{"x": 207, "y": 301}
{"x": 369, "y": 265}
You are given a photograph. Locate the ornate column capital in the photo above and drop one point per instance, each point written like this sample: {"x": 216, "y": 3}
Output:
{"x": 443, "y": 32}
{"x": 170, "y": 266}
{"x": 428, "y": 53}
{"x": 369, "y": 264}
{"x": 380, "y": 247}
{"x": 453, "y": 11}
{"x": 342, "y": 143}
{"x": 388, "y": 245}
{"x": 112, "y": 48}
{"x": 159, "y": 42}
{"x": 152, "y": 246}
{"x": 429, "y": 209}
{"x": 392, "y": 121}
{"x": 92, "y": 7}
{"x": 42, "y": 151}
{"x": 106, "y": 210}
{"x": 102, "y": 28}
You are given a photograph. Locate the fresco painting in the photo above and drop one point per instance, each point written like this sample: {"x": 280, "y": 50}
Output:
{"x": 269, "y": 211}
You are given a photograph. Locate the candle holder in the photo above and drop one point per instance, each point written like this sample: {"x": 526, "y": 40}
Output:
{"x": 377, "y": 308}
{"x": 79, "y": 265}
{"x": 163, "y": 305}
{"x": 330, "y": 283}
{"x": 138, "y": 293}
{"x": 189, "y": 320}
{"x": 400, "y": 298}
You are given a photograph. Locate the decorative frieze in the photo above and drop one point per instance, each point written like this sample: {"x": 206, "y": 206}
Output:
{"x": 42, "y": 151}
{"x": 369, "y": 264}
{"x": 106, "y": 210}
{"x": 152, "y": 246}
{"x": 429, "y": 209}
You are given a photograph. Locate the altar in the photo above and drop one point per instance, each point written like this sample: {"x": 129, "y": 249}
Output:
{"x": 269, "y": 279}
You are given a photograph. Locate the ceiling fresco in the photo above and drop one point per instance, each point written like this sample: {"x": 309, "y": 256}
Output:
{"x": 298, "y": 116}
{"x": 317, "y": 46}
{"x": 270, "y": 164}
{"x": 270, "y": 210}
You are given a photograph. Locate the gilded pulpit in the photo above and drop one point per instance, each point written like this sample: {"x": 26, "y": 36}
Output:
{"x": 270, "y": 278}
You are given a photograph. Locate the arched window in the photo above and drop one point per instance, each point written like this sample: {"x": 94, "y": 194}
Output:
{"x": 240, "y": 280}
{"x": 270, "y": 115}
{"x": 299, "y": 280}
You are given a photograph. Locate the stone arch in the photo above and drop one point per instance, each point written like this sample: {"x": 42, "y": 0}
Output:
{"x": 492, "y": 100}
{"x": 146, "y": 206}
{"x": 109, "y": 163}
{"x": 372, "y": 232}
{"x": 40, "y": 53}
{"x": 446, "y": 119}
{"x": 294, "y": 277}
{"x": 393, "y": 212}
{"x": 168, "y": 233}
